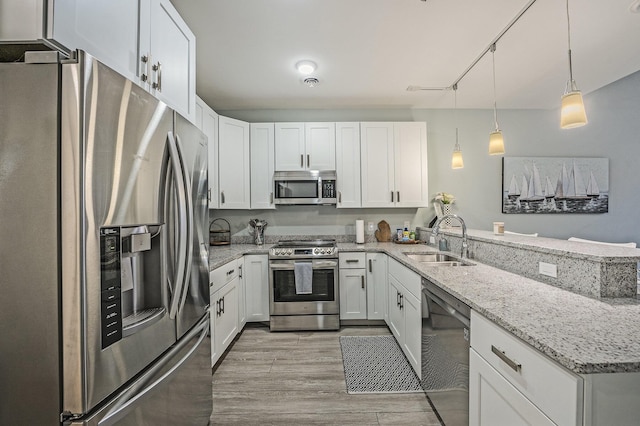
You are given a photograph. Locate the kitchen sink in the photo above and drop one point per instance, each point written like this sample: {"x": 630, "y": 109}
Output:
{"x": 437, "y": 259}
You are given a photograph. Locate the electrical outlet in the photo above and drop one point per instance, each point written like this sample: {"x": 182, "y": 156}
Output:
{"x": 548, "y": 269}
{"x": 370, "y": 226}
{"x": 407, "y": 224}
{"x": 432, "y": 239}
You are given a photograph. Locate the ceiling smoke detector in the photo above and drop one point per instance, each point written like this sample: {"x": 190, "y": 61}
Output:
{"x": 311, "y": 81}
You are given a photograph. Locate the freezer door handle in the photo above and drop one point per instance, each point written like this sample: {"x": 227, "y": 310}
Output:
{"x": 187, "y": 185}
{"x": 182, "y": 224}
{"x": 128, "y": 399}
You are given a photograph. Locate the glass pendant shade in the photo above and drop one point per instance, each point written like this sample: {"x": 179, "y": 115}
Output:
{"x": 572, "y": 112}
{"x": 496, "y": 143}
{"x": 456, "y": 159}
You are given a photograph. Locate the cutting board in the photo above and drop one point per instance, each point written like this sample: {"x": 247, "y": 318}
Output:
{"x": 383, "y": 234}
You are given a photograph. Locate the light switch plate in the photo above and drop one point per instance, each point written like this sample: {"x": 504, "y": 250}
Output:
{"x": 407, "y": 224}
{"x": 370, "y": 226}
{"x": 548, "y": 269}
{"x": 432, "y": 239}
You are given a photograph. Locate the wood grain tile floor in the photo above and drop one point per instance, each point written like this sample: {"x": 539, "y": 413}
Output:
{"x": 297, "y": 378}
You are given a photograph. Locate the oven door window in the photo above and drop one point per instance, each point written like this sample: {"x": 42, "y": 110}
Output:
{"x": 297, "y": 189}
{"x": 323, "y": 289}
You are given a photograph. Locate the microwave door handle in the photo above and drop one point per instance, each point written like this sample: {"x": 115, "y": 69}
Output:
{"x": 189, "y": 253}
{"x": 181, "y": 223}
{"x": 138, "y": 389}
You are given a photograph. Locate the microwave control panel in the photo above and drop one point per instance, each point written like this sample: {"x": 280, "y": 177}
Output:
{"x": 328, "y": 189}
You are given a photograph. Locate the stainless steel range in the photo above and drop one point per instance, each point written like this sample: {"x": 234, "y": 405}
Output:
{"x": 303, "y": 285}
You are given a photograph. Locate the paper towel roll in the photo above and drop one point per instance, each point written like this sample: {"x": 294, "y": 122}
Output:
{"x": 359, "y": 231}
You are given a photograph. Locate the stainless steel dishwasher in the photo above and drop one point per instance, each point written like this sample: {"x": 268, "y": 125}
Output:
{"x": 445, "y": 354}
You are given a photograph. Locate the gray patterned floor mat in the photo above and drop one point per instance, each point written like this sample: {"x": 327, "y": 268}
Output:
{"x": 376, "y": 364}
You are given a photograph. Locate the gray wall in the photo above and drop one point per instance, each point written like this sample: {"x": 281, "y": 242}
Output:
{"x": 613, "y": 132}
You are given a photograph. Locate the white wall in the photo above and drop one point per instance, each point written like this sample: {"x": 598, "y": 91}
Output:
{"x": 613, "y": 132}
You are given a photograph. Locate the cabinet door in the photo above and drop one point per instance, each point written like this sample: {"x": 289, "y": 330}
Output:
{"x": 213, "y": 320}
{"x": 410, "y": 164}
{"x": 227, "y": 321}
{"x": 353, "y": 294}
{"x": 233, "y": 164}
{"x": 412, "y": 343}
{"x": 320, "y": 146}
{"x": 289, "y": 143}
{"x": 348, "y": 165}
{"x": 242, "y": 309}
{"x": 376, "y": 153}
{"x": 207, "y": 121}
{"x": 396, "y": 319}
{"x": 494, "y": 401}
{"x": 107, "y": 30}
{"x": 170, "y": 48}
{"x": 262, "y": 165}
{"x": 256, "y": 273}
{"x": 377, "y": 286}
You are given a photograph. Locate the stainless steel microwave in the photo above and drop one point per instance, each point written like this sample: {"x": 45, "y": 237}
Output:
{"x": 305, "y": 187}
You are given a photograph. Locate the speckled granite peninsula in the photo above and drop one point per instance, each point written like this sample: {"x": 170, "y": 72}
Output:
{"x": 584, "y": 334}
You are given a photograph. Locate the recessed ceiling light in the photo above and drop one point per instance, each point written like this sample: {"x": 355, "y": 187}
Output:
{"x": 306, "y": 67}
{"x": 635, "y": 6}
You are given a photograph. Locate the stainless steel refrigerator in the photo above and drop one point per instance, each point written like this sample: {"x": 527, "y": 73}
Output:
{"x": 103, "y": 252}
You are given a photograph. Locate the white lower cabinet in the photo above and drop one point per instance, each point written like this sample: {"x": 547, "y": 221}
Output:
{"x": 506, "y": 374}
{"x": 353, "y": 286}
{"x": 242, "y": 293}
{"x": 494, "y": 401}
{"x": 377, "y": 276}
{"x": 256, "y": 280}
{"x": 224, "y": 299}
{"x": 405, "y": 312}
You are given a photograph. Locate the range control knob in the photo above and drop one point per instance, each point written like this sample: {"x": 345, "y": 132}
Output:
{"x": 290, "y": 252}
{"x": 316, "y": 250}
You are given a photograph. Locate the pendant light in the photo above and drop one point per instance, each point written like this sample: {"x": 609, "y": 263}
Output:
{"x": 572, "y": 113}
{"x": 496, "y": 142}
{"x": 456, "y": 158}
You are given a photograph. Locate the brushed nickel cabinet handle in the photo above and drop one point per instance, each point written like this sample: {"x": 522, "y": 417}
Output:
{"x": 222, "y": 197}
{"x": 362, "y": 279}
{"x": 271, "y": 198}
{"x": 209, "y": 195}
{"x": 158, "y": 83}
{"x": 511, "y": 363}
{"x": 340, "y": 196}
{"x": 398, "y": 197}
{"x": 308, "y": 160}
{"x": 145, "y": 75}
{"x": 352, "y": 260}
{"x": 301, "y": 161}
{"x": 392, "y": 196}
{"x": 401, "y": 301}
{"x": 370, "y": 265}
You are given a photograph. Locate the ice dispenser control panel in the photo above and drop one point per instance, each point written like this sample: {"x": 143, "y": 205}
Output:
{"x": 111, "y": 309}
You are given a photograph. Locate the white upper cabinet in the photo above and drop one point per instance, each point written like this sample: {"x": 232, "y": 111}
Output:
{"x": 233, "y": 164}
{"x": 262, "y": 165}
{"x": 376, "y": 145}
{"x": 207, "y": 121}
{"x": 348, "y": 165}
{"x": 305, "y": 146}
{"x": 320, "y": 146}
{"x": 107, "y": 30}
{"x": 410, "y": 161}
{"x": 394, "y": 164}
{"x": 167, "y": 56}
{"x": 289, "y": 140}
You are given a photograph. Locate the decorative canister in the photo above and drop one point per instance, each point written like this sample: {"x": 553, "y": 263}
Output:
{"x": 446, "y": 209}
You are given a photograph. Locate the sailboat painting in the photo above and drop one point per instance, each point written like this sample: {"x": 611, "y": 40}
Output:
{"x": 555, "y": 185}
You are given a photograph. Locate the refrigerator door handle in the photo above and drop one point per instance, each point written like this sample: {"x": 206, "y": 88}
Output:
{"x": 189, "y": 258}
{"x": 182, "y": 223}
{"x": 138, "y": 390}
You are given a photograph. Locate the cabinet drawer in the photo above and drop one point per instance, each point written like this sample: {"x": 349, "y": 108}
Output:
{"x": 553, "y": 389}
{"x": 407, "y": 277}
{"x": 222, "y": 275}
{"x": 352, "y": 260}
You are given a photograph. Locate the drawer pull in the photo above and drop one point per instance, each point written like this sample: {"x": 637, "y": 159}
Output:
{"x": 511, "y": 363}
{"x": 362, "y": 280}
{"x": 352, "y": 260}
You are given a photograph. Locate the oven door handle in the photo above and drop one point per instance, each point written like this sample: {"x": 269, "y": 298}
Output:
{"x": 317, "y": 264}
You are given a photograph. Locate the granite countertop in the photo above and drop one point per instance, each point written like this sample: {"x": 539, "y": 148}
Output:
{"x": 583, "y": 334}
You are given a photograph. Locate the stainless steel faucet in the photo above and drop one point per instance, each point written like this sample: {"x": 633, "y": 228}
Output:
{"x": 464, "y": 253}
